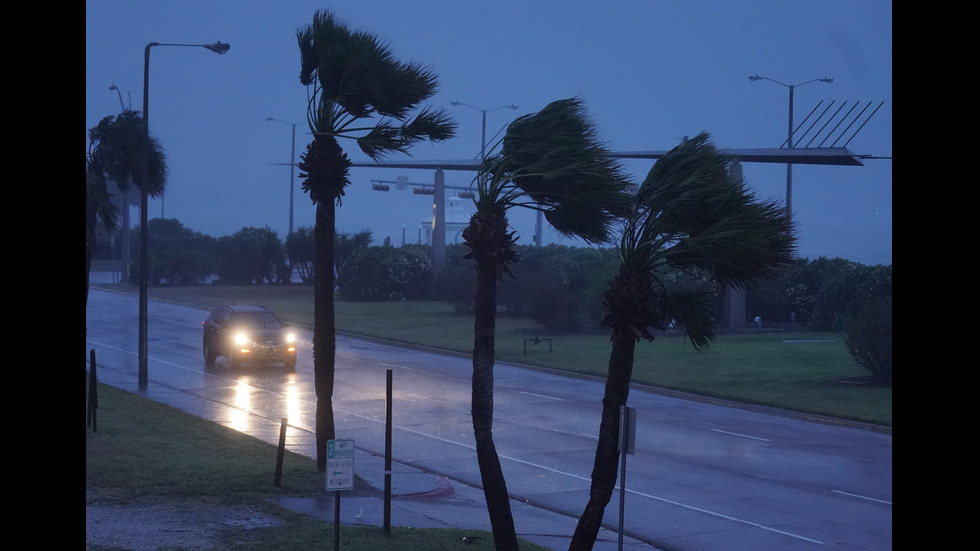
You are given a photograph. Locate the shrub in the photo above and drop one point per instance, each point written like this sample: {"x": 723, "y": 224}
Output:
{"x": 868, "y": 336}
{"x": 386, "y": 273}
{"x": 456, "y": 285}
{"x": 251, "y": 256}
{"x": 560, "y": 287}
{"x": 177, "y": 255}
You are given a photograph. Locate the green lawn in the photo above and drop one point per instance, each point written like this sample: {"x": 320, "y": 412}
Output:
{"x": 170, "y": 457}
{"x": 796, "y": 370}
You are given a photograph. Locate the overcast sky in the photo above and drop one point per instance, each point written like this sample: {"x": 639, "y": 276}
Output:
{"x": 649, "y": 72}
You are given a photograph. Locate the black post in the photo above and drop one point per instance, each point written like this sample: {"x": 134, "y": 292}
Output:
{"x": 281, "y": 453}
{"x": 142, "y": 374}
{"x": 336, "y": 521}
{"x": 622, "y": 494}
{"x": 93, "y": 393}
{"x": 627, "y": 425}
{"x": 387, "y": 498}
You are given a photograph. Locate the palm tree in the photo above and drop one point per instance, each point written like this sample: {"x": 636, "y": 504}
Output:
{"x": 549, "y": 161}
{"x": 115, "y": 152}
{"x": 690, "y": 215}
{"x": 351, "y": 77}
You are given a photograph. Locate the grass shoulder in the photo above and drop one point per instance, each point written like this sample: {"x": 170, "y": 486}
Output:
{"x": 163, "y": 461}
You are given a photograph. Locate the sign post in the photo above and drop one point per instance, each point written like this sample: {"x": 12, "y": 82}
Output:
{"x": 340, "y": 476}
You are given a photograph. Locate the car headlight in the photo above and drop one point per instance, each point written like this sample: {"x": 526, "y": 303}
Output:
{"x": 290, "y": 338}
{"x": 241, "y": 338}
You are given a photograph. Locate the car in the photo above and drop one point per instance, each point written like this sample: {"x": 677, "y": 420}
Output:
{"x": 248, "y": 334}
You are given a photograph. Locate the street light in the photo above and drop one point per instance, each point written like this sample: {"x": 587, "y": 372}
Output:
{"x": 122, "y": 107}
{"x": 483, "y": 141}
{"x": 219, "y": 48}
{"x": 789, "y": 138}
{"x": 292, "y": 165}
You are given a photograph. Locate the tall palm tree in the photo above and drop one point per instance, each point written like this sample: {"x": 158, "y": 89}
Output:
{"x": 116, "y": 153}
{"x": 549, "y": 161}
{"x": 689, "y": 214}
{"x": 351, "y": 77}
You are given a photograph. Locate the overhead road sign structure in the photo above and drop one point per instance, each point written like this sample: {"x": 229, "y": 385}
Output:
{"x": 788, "y": 155}
{"x": 835, "y": 156}
{"x": 813, "y": 156}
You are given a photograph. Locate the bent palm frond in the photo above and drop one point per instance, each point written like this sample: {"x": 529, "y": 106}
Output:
{"x": 551, "y": 161}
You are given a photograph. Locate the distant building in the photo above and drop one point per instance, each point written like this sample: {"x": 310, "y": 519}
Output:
{"x": 457, "y": 218}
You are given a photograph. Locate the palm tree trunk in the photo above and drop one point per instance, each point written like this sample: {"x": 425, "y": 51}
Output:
{"x": 494, "y": 486}
{"x": 606, "y": 464}
{"x": 324, "y": 330}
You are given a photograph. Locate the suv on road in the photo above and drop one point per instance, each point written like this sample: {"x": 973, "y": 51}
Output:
{"x": 248, "y": 333}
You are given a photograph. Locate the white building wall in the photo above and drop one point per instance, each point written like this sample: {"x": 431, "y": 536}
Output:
{"x": 457, "y": 218}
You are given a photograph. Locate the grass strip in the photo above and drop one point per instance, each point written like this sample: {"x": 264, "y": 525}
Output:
{"x": 147, "y": 452}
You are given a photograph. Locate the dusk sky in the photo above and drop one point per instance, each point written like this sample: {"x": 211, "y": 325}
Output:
{"x": 649, "y": 73}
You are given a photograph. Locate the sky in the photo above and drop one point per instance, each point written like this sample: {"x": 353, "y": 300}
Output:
{"x": 649, "y": 73}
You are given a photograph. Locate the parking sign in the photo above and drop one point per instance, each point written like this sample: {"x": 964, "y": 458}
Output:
{"x": 340, "y": 465}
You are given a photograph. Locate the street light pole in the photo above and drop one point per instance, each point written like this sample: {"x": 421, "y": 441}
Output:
{"x": 483, "y": 140}
{"x": 122, "y": 106}
{"x": 292, "y": 169}
{"x": 218, "y": 48}
{"x": 789, "y": 135}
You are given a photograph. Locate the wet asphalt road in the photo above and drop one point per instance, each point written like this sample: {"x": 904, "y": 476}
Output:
{"x": 704, "y": 476}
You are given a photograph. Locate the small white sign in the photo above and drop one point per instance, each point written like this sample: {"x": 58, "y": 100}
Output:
{"x": 340, "y": 464}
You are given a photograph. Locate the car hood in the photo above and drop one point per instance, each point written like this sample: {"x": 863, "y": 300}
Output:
{"x": 262, "y": 333}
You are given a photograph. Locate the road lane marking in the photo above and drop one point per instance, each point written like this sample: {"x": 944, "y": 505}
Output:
{"x": 861, "y": 497}
{"x": 541, "y": 396}
{"x": 726, "y": 517}
{"x": 741, "y": 435}
{"x": 676, "y": 503}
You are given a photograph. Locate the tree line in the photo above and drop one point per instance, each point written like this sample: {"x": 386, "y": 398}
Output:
{"x": 558, "y": 286}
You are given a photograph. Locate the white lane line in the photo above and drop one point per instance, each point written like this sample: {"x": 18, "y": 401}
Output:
{"x": 741, "y": 435}
{"x": 541, "y": 396}
{"x": 110, "y": 347}
{"x": 733, "y": 519}
{"x": 671, "y": 502}
{"x": 862, "y": 497}
{"x": 164, "y": 362}
{"x": 589, "y": 479}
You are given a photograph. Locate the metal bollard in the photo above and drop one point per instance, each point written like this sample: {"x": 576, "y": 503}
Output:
{"x": 93, "y": 394}
{"x": 281, "y": 453}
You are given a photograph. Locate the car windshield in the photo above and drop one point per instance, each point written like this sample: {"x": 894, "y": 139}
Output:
{"x": 260, "y": 320}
